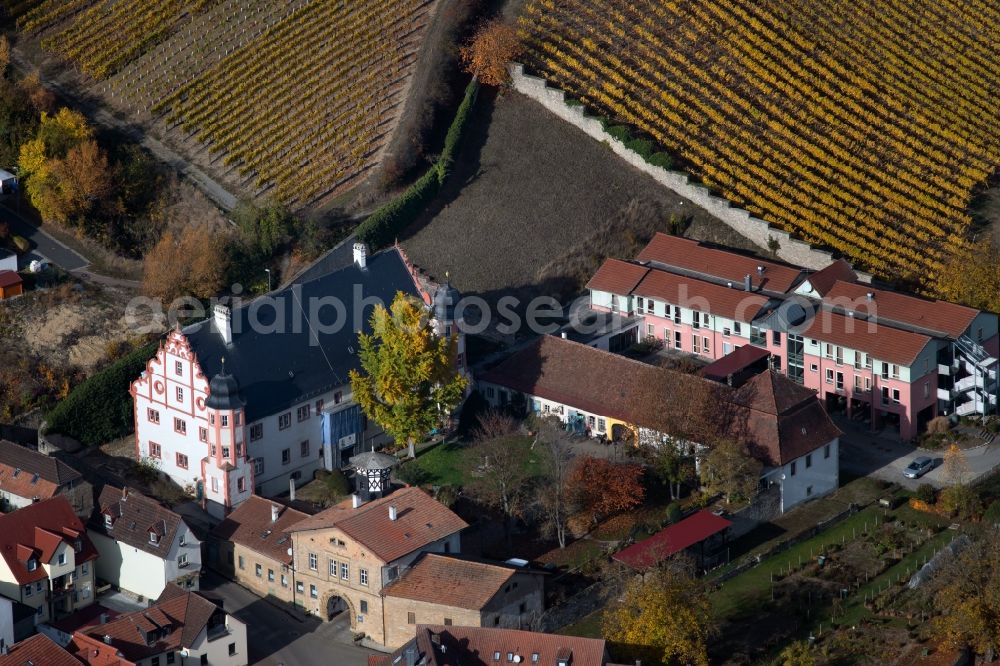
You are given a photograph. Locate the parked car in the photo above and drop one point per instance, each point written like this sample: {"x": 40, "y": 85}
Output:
{"x": 918, "y": 467}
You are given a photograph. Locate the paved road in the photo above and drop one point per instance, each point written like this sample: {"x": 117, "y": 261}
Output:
{"x": 863, "y": 453}
{"x": 279, "y": 637}
{"x": 43, "y": 246}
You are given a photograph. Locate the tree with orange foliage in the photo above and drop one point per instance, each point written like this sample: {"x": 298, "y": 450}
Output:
{"x": 192, "y": 263}
{"x": 602, "y": 488}
{"x": 492, "y": 48}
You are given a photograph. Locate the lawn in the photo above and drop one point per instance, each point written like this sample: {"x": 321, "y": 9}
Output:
{"x": 589, "y": 626}
{"x": 448, "y": 463}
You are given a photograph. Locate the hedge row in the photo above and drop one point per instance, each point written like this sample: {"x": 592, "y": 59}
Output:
{"x": 643, "y": 147}
{"x": 383, "y": 226}
{"x": 100, "y": 409}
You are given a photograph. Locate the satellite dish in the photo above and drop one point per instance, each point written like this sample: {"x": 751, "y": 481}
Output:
{"x": 289, "y": 552}
{"x": 517, "y": 659}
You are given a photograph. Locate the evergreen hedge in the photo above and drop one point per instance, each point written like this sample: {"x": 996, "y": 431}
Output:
{"x": 385, "y": 224}
{"x": 100, "y": 409}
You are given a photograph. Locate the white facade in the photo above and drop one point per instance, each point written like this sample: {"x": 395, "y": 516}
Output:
{"x": 222, "y": 647}
{"x": 145, "y": 574}
{"x": 808, "y": 477}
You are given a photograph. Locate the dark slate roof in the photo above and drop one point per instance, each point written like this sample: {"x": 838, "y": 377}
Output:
{"x": 278, "y": 370}
{"x": 29, "y": 460}
{"x": 445, "y": 299}
{"x": 373, "y": 460}
{"x": 134, "y": 517}
{"x": 224, "y": 392}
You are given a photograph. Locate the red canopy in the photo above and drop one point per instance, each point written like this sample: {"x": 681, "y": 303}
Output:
{"x": 672, "y": 539}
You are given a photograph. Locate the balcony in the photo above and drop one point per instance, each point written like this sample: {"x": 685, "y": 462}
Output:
{"x": 944, "y": 394}
{"x": 944, "y": 369}
{"x": 966, "y": 383}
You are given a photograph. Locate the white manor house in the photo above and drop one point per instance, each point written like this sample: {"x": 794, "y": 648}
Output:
{"x": 227, "y": 410}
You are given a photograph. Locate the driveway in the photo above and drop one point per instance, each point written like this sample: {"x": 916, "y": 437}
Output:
{"x": 863, "y": 453}
{"x": 279, "y": 636}
{"x": 43, "y": 246}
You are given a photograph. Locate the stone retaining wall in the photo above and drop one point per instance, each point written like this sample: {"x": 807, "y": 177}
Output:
{"x": 756, "y": 230}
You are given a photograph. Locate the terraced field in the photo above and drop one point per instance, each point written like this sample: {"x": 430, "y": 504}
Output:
{"x": 863, "y": 125}
{"x": 294, "y": 98}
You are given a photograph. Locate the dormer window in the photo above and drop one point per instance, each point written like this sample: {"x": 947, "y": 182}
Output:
{"x": 17, "y": 471}
{"x": 154, "y": 538}
{"x": 77, "y": 546}
{"x": 34, "y": 479}
{"x": 32, "y": 564}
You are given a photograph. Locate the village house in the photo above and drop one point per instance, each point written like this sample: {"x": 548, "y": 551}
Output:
{"x": 253, "y": 547}
{"x": 449, "y": 590}
{"x": 259, "y": 397}
{"x": 143, "y": 546}
{"x": 889, "y": 358}
{"x": 182, "y": 628}
{"x": 345, "y": 556}
{"x": 27, "y": 476}
{"x": 438, "y": 645}
{"x": 591, "y": 390}
{"x": 17, "y": 622}
{"x": 48, "y": 559}
{"x": 39, "y": 650}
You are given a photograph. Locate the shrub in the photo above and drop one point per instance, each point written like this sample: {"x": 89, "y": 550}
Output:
{"x": 938, "y": 425}
{"x": 961, "y": 501}
{"x": 644, "y": 147}
{"x": 336, "y": 483}
{"x": 992, "y": 514}
{"x": 661, "y": 159}
{"x": 926, "y": 493}
{"x": 619, "y": 132}
{"x": 100, "y": 409}
{"x": 674, "y": 512}
{"x": 385, "y": 224}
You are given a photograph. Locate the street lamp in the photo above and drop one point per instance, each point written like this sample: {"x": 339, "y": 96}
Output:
{"x": 268, "y": 271}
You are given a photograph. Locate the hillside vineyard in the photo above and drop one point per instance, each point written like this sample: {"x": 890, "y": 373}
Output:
{"x": 297, "y": 96}
{"x": 864, "y": 126}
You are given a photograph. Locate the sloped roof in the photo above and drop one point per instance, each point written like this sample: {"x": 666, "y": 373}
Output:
{"x": 9, "y": 278}
{"x": 672, "y": 540}
{"x": 617, "y": 277}
{"x": 19, "y": 466}
{"x": 175, "y": 621}
{"x": 250, "y": 526}
{"x": 940, "y": 317}
{"x": 772, "y": 393}
{"x": 420, "y": 520}
{"x": 839, "y": 271}
{"x": 733, "y": 362}
{"x": 730, "y": 302}
{"x": 275, "y": 370}
{"x": 879, "y": 340}
{"x": 134, "y": 517}
{"x": 450, "y": 645}
{"x": 451, "y": 581}
{"x": 39, "y": 650}
{"x": 41, "y": 527}
{"x": 723, "y": 264}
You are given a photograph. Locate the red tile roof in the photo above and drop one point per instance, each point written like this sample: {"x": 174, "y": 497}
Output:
{"x": 839, "y": 270}
{"x": 880, "y": 341}
{"x": 39, "y": 650}
{"x": 250, "y": 526}
{"x": 734, "y": 362}
{"x": 451, "y": 581}
{"x": 451, "y": 646}
{"x": 420, "y": 520}
{"x": 41, "y": 527}
{"x": 9, "y": 278}
{"x": 942, "y": 317}
{"x": 607, "y": 384}
{"x": 723, "y": 264}
{"x": 172, "y": 623}
{"x": 730, "y": 302}
{"x": 617, "y": 277}
{"x": 672, "y": 540}
{"x": 28, "y": 473}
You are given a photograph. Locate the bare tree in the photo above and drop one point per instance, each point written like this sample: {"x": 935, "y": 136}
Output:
{"x": 553, "y": 492}
{"x": 499, "y": 477}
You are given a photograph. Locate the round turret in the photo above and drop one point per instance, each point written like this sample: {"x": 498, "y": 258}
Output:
{"x": 445, "y": 299}
{"x": 224, "y": 392}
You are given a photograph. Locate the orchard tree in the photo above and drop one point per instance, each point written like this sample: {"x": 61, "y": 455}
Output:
{"x": 600, "y": 488}
{"x": 496, "y": 461}
{"x": 492, "y": 48}
{"x": 729, "y": 469}
{"x": 409, "y": 383}
{"x": 969, "y": 601}
{"x": 663, "y": 618}
{"x": 191, "y": 263}
{"x": 554, "y": 490}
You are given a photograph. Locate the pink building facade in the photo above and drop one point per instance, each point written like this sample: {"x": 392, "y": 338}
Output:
{"x": 890, "y": 359}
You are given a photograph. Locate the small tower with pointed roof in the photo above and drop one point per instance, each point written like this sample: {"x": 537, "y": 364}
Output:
{"x": 227, "y": 473}
{"x": 447, "y": 321}
{"x": 371, "y": 474}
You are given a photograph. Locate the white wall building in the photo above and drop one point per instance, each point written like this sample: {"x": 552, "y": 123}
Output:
{"x": 143, "y": 546}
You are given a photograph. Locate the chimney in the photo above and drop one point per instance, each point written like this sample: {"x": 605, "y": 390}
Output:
{"x": 3, "y": 649}
{"x": 124, "y": 493}
{"x": 355, "y": 500}
{"x": 760, "y": 270}
{"x": 392, "y": 512}
{"x": 361, "y": 255}
{"x": 564, "y": 335}
{"x": 291, "y": 489}
{"x": 223, "y": 318}
{"x": 747, "y": 283}
{"x": 104, "y": 618}
{"x": 107, "y": 639}
{"x": 275, "y": 512}
{"x": 871, "y": 296}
